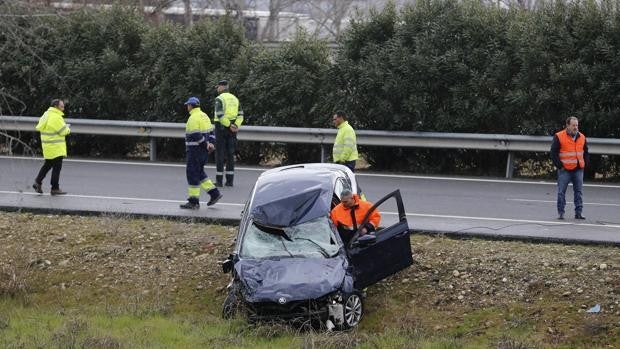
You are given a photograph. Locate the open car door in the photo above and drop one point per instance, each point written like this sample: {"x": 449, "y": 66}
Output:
{"x": 375, "y": 259}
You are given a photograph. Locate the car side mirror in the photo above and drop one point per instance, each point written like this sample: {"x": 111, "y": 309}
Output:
{"x": 227, "y": 265}
{"x": 367, "y": 240}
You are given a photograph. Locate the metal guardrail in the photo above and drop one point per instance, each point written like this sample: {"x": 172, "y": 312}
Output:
{"x": 322, "y": 137}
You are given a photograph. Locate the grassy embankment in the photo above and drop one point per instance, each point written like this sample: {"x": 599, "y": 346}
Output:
{"x": 114, "y": 282}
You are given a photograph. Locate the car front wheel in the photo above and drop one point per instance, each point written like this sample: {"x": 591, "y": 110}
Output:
{"x": 231, "y": 304}
{"x": 353, "y": 310}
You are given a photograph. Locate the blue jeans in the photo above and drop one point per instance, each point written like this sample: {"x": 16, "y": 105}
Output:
{"x": 575, "y": 177}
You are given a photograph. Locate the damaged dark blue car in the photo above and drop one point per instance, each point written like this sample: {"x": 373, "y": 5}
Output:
{"x": 289, "y": 262}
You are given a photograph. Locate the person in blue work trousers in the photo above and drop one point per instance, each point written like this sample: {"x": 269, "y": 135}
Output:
{"x": 199, "y": 142}
{"x": 228, "y": 120}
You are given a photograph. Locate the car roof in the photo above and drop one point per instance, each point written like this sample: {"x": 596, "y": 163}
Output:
{"x": 293, "y": 194}
{"x": 318, "y": 166}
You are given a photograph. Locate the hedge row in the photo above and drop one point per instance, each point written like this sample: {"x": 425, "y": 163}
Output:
{"x": 435, "y": 66}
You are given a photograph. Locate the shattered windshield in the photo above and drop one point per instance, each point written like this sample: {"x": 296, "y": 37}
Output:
{"x": 312, "y": 239}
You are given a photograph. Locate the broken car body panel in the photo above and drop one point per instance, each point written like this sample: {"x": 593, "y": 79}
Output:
{"x": 293, "y": 279}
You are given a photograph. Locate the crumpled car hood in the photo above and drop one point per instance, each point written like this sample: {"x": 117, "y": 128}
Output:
{"x": 293, "y": 279}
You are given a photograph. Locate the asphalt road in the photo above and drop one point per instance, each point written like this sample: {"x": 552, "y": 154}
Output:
{"x": 454, "y": 205}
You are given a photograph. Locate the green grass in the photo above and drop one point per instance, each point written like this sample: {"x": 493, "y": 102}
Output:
{"x": 32, "y": 327}
{"x": 29, "y": 326}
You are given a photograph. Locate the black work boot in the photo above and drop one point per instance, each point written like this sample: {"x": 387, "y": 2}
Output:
{"x": 218, "y": 181}
{"x": 191, "y": 204}
{"x": 579, "y": 216}
{"x": 215, "y": 196}
{"x": 229, "y": 180}
{"x": 37, "y": 187}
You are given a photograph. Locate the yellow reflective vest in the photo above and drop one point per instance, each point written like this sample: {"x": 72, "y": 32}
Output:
{"x": 198, "y": 128}
{"x": 345, "y": 146}
{"x": 230, "y": 112}
{"x": 53, "y": 132}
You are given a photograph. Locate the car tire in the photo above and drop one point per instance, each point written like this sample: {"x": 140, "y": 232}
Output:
{"x": 232, "y": 303}
{"x": 229, "y": 309}
{"x": 353, "y": 310}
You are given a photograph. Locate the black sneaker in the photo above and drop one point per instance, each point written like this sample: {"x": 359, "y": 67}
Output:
{"x": 215, "y": 197}
{"x": 579, "y": 216}
{"x": 190, "y": 205}
{"x": 561, "y": 216}
{"x": 37, "y": 187}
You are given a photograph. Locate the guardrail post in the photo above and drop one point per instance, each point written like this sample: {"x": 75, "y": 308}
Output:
{"x": 323, "y": 156}
{"x": 153, "y": 149}
{"x": 510, "y": 164}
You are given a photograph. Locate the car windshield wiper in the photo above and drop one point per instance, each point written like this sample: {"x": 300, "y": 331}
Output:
{"x": 321, "y": 248}
{"x": 273, "y": 231}
{"x": 278, "y": 232}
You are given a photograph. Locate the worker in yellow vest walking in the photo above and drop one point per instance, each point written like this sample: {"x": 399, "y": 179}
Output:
{"x": 53, "y": 131}
{"x": 199, "y": 140}
{"x": 228, "y": 119}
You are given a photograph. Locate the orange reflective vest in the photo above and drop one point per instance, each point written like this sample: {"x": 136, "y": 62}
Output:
{"x": 342, "y": 214}
{"x": 571, "y": 150}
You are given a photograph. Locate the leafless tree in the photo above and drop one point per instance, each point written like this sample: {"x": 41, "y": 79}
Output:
{"x": 329, "y": 15}
{"x": 271, "y": 29}
{"x": 189, "y": 17}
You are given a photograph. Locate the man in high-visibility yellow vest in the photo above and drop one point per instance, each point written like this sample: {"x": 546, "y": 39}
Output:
{"x": 53, "y": 131}
{"x": 228, "y": 119}
{"x": 345, "y": 145}
{"x": 199, "y": 140}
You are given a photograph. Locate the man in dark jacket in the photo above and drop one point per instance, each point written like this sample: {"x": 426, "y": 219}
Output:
{"x": 569, "y": 152}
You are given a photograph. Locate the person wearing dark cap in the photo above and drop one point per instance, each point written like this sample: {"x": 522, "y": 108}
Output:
{"x": 228, "y": 119}
{"x": 53, "y": 131}
{"x": 199, "y": 140}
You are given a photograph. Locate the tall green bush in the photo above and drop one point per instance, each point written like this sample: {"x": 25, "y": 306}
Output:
{"x": 438, "y": 65}
{"x": 465, "y": 67}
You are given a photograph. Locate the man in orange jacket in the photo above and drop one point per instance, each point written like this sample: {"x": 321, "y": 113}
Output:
{"x": 569, "y": 153}
{"x": 349, "y": 214}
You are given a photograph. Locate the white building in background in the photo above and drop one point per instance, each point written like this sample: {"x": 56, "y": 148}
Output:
{"x": 325, "y": 19}
{"x": 255, "y": 22}
{"x": 259, "y": 24}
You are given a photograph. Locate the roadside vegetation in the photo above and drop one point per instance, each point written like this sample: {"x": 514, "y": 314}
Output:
{"x": 432, "y": 66}
{"x": 115, "y": 282}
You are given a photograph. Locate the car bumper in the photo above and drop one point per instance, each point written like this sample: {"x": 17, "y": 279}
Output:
{"x": 297, "y": 310}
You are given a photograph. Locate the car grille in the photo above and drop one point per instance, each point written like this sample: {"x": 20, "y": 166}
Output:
{"x": 290, "y": 310}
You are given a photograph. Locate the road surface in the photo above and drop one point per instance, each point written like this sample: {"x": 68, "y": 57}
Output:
{"x": 452, "y": 205}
